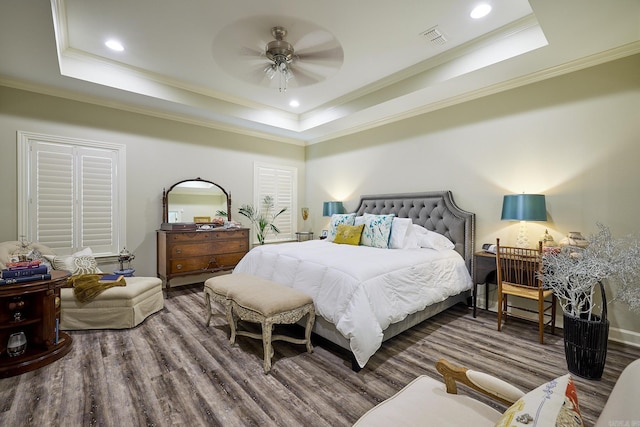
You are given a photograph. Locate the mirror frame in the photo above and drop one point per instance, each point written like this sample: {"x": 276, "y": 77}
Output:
{"x": 165, "y": 198}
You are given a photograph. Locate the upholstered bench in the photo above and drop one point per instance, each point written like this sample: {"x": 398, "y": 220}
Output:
{"x": 254, "y": 299}
{"x": 119, "y": 307}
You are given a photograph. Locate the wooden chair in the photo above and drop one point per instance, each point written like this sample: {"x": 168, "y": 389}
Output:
{"x": 518, "y": 274}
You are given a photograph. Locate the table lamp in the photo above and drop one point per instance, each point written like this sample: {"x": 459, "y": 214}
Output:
{"x": 524, "y": 207}
{"x": 330, "y": 208}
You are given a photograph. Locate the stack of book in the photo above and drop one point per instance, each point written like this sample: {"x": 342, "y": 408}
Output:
{"x": 24, "y": 271}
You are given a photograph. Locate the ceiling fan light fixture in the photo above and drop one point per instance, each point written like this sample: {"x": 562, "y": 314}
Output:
{"x": 281, "y": 53}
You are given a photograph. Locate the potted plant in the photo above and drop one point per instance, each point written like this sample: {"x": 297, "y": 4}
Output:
{"x": 576, "y": 275}
{"x": 263, "y": 220}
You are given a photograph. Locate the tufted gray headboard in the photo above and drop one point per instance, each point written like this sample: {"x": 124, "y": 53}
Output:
{"x": 434, "y": 210}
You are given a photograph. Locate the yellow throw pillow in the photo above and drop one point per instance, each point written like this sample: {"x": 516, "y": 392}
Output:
{"x": 348, "y": 234}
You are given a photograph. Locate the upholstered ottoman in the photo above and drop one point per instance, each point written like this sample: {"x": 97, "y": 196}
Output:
{"x": 254, "y": 299}
{"x": 119, "y": 307}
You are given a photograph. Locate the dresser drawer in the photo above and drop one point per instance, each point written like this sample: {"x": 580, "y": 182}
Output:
{"x": 189, "y": 249}
{"x": 213, "y": 262}
{"x": 207, "y": 236}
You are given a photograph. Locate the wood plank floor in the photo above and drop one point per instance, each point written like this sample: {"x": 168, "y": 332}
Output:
{"x": 174, "y": 371}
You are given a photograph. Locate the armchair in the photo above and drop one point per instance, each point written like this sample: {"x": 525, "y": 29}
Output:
{"x": 426, "y": 401}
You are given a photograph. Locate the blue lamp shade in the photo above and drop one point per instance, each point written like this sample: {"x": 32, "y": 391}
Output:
{"x": 524, "y": 207}
{"x": 330, "y": 208}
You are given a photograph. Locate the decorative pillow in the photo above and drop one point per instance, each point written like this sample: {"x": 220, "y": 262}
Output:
{"x": 336, "y": 220}
{"x": 552, "y": 404}
{"x": 33, "y": 250}
{"x": 348, "y": 234}
{"x": 359, "y": 220}
{"x": 431, "y": 239}
{"x": 377, "y": 229}
{"x": 81, "y": 262}
{"x": 399, "y": 229}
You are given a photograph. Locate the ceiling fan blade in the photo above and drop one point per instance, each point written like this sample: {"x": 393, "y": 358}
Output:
{"x": 334, "y": 54}
{"x": 257, "y": 74}
{"x": 304, "y": 78}
{"x": 249, "y": 51}
{"x": 314, "y": 39}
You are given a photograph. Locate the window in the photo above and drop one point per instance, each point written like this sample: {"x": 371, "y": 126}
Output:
{"x": 71, "y": 193}
{"x": 279, "y": 182}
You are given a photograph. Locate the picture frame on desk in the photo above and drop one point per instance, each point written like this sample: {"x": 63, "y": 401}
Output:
{"x": 324, "y": 234}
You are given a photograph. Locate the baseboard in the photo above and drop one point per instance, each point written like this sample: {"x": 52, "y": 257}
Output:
{"x": 623, "y": 336}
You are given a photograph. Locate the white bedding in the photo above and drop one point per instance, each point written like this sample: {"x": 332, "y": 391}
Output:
{"x": 361, "y": 290}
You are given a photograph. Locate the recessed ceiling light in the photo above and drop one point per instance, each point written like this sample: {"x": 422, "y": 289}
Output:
{"x": 480, "y": 11}
{"x": 114, "y": 45}
{"x": 294, "y": 103}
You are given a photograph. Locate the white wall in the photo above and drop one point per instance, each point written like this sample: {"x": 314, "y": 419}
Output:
{"x": 159, "y": 153}
{"x": 575, "y": 138}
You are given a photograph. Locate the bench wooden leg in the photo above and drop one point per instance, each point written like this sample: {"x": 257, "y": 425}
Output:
{"x": 207, "y": 307}
{"x": 267, "y": 329}
{"x": 233, "y": 324}
{"x": 311, "y": 317}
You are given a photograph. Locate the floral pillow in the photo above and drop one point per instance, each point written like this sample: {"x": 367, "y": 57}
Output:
{"x": 336, "y": 220}
{"x": 377, "y": 229}
{"x": 552, "y": 404}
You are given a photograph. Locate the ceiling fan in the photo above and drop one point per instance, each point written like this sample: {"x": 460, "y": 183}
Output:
{"x": 281, "y": 53}
{"x": 296, "y": 56}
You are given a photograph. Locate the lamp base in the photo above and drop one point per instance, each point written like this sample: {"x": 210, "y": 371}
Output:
{"x": 523, "y": 239}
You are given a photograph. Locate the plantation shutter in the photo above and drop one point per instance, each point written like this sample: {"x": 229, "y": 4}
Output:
{"x": 279, "y": 182}
{"x": 74, "y": 194}
{"x": 96, "y": 200}
{"x": 52, "y": 205}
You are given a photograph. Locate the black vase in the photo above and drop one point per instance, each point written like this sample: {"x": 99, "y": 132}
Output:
{"x": 585, "y": 343}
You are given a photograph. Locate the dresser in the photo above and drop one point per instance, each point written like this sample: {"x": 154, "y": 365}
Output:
{"x": 188, "y": 252}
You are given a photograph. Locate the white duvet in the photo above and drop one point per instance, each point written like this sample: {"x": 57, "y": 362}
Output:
{"x": 361, "y": 290}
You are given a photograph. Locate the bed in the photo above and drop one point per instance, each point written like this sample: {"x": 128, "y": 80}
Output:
{"x": 366, "y": 295}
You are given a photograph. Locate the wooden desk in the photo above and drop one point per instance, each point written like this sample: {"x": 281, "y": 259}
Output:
{"x": 484, "y": 272}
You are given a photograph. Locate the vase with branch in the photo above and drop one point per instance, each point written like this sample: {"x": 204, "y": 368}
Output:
{"x": 262, "y": 219}
{"x": 577, "y": 275}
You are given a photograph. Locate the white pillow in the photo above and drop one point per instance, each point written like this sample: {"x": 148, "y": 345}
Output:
{"x": 81, "y": 262}
{"x": 400, "y": 227}
{"x": 431, "y": 239}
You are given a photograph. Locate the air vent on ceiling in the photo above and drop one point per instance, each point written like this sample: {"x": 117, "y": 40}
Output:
{"x": 435, "y": 36}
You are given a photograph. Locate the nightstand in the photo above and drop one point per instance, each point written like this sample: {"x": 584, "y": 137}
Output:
{"x": 484, "y": 272}
{"x": 303, "y": 236}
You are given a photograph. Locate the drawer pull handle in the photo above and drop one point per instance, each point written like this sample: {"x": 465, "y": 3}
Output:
{"x": 179, "y": 266}
{"x": 178, "y": 250}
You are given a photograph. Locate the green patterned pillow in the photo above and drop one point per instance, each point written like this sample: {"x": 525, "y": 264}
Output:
{"x": 348, "y": 234}
{"x": 377, "y": 229}
{"x": 336, "y": 220}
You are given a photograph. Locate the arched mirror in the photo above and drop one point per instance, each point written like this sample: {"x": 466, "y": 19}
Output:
{"x": 195, "y": 200}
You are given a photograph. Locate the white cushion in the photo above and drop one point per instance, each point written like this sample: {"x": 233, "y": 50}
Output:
{"x": 622, "y": 406}
{"x": 432, "y": 240}
{"x": 399, "y": 230}
{"x": 424, "y": 401}
{"x": 116, "y": 308}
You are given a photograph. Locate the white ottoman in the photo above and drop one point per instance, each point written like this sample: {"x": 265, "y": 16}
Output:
{"x": 119, "y": 307}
